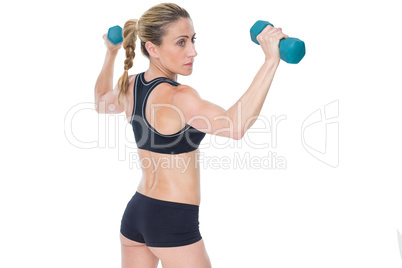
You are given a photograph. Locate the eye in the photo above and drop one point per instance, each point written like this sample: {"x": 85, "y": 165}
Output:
{"x": 182, "y": 42}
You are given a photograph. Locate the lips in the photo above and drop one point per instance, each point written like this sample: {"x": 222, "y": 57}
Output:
{"x": 189, "y": 64}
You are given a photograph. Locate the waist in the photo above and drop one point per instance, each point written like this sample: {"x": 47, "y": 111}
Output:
{"x": 177, "y": 165}
{"x": 161, "y": 202}
{"x": 182, "y": 190}
{"x": 174, "y": 178}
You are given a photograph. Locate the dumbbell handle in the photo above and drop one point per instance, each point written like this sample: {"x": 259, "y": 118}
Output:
{"x": 291, "y": 50}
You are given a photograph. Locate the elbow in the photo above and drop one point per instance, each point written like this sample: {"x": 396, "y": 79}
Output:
{"x": 238, "y": 135}
{"x": 96, "y": 102}
{"x": 234, "y": 131}
{"x": 97, "y": 107}
{"x": 100, "y": 105}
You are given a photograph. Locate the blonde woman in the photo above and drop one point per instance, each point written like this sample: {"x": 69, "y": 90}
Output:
{"x": 170, "y": 120}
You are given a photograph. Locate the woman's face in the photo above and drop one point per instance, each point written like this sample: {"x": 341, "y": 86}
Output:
{"x": 177, "y": 51}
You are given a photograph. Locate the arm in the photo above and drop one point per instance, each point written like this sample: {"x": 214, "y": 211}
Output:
{"x": 235, "y": 121}
{"x": 245, "y": 111}
{"x": 104, "y": 92}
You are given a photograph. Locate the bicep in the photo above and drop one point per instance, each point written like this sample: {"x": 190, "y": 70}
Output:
{"x": 202, "y": 114}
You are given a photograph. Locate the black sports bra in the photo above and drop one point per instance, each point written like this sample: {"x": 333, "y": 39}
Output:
{"x": 148, "y": 138}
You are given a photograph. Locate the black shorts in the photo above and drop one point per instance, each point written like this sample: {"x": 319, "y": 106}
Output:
{"x": 159, "y": 223}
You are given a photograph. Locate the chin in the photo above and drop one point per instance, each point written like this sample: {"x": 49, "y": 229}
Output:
{"x": 186, "y": 73}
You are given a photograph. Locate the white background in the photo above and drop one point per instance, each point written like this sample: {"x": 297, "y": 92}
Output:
{"x": 61, "y": 204}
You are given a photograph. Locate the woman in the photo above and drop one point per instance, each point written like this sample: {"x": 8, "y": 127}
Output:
{"x": 169, "y": 121}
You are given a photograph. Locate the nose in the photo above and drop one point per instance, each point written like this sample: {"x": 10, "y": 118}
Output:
{"x": 191, "y": 52}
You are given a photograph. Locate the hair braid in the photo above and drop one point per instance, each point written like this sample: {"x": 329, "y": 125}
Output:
{"x": 130, "y": 32}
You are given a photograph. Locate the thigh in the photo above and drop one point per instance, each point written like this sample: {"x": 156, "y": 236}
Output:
{"x": 136, "y": 255}
{"x": 193, "y": 255}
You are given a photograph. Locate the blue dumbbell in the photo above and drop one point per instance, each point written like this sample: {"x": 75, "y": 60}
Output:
{"x": 115, "y": 35}
{"x": 291, "y": 49}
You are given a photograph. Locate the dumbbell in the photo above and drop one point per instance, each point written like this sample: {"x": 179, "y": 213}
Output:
{"x": 115, "y": 35}
{"x": 291, "y": 49}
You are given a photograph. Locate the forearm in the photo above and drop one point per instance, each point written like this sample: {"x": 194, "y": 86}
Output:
{"x": 104, "y": 83}
{"x": 245, "y": 111}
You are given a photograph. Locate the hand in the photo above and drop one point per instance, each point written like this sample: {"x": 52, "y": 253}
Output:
{"x": 110, "y": 47}
{"x": 269, "y": 40}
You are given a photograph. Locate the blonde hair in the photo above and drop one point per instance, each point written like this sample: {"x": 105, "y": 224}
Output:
{"x": 152, "y": 26}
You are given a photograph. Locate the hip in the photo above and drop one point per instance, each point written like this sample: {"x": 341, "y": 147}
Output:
{"x": 160, "y": 223}
{"x": 172, "y": 192}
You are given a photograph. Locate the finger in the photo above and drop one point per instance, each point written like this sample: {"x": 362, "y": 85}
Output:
{"x": 279, "y": 33}
{"x": 284, "y": 36}
{"x": 273, "y": 30}
{"x": 267, "y": 29}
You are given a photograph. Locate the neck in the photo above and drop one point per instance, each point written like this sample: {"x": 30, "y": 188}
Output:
{"x": 156, "y": 70}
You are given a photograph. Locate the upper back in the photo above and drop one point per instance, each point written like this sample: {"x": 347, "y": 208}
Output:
{"x": 152, "y": 106}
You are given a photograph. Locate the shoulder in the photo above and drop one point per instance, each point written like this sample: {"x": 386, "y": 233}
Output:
{"x": 179, "y": 90}
{"x": 180, "y": 93}
{"x": 185, "y": 95}
{"x": 131, "y": 78}
{"x": 185, "y": 90}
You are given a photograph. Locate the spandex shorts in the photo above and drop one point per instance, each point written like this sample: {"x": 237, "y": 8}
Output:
{"x": 159, "y": 223}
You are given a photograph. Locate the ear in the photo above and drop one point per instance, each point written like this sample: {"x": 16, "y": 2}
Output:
{"x": 152, "y": 49}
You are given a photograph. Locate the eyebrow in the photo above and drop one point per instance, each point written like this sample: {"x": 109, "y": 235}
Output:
{"x": 184, "y": 36}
